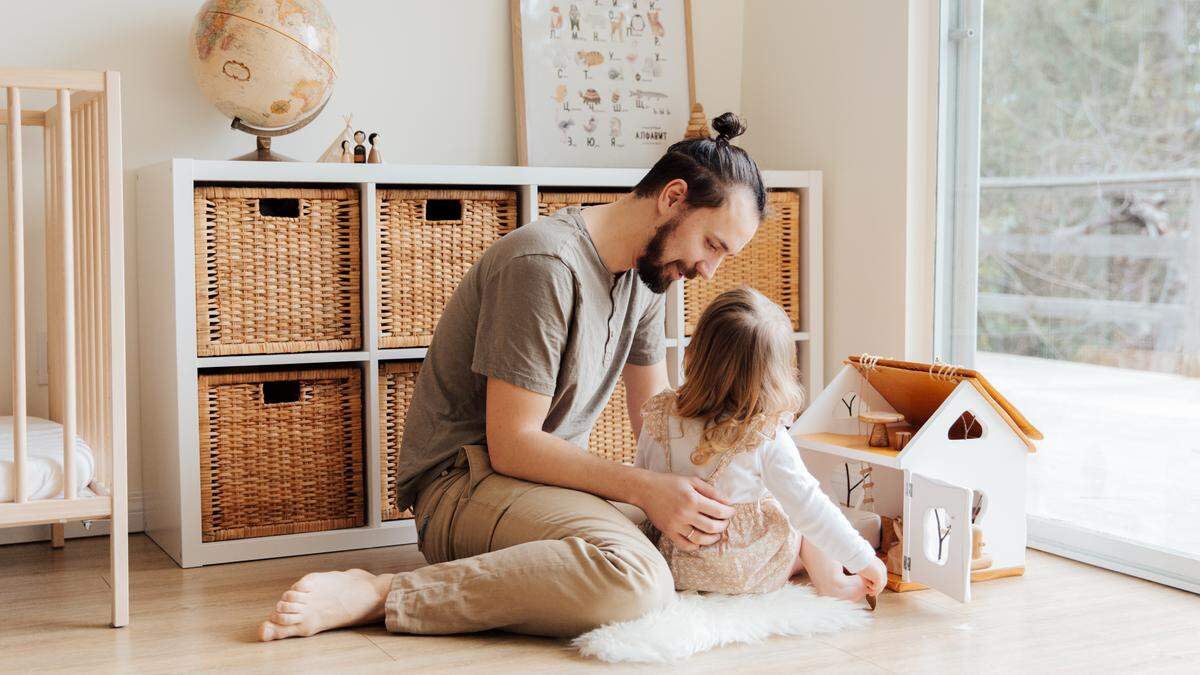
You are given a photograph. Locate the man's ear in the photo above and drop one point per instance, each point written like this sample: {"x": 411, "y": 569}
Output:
{"x": 672, "y": 195}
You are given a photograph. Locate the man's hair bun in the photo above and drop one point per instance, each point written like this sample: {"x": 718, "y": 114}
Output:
{"x": 728, "y": 126}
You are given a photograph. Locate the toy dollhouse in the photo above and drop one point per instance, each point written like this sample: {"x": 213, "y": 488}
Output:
{"x": 928, "y": 461}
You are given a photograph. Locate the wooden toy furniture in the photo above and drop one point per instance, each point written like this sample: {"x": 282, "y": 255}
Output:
{"x": 71, "y": 467}
{"x": 383, "y": 247}
{"x": 960, "y": 471}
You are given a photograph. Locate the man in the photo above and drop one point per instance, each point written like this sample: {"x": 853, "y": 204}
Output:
{"x": 511, "y": 511}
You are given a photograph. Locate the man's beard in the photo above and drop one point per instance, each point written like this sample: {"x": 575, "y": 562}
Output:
{"x": 650, "y": 266}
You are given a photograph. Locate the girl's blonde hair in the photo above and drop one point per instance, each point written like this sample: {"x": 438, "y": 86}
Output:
{"x": 740, "y": 372}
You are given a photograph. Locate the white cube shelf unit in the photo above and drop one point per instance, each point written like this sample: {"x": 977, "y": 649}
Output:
{"x": 170, "y": 365}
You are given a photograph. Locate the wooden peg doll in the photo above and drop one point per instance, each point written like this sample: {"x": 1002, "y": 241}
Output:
{"x": 347, "y": 153}
{"x": 360, "y": 150}
{"x": 375, "y": 157}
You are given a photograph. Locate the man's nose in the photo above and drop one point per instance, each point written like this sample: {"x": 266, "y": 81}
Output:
{"x": 708, "y": 269}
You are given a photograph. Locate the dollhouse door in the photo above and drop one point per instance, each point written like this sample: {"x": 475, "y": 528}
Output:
{"x": 937, "y": 535}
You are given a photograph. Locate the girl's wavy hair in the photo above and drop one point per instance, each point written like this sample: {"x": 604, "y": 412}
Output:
{"x": 709, "y": 166}
{"x": 740, "y": 372}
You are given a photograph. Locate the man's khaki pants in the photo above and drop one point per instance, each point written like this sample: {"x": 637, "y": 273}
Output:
{"x": 523, "y": 557}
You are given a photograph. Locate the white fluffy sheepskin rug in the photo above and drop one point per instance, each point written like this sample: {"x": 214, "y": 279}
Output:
{"x": 697, "y": 623}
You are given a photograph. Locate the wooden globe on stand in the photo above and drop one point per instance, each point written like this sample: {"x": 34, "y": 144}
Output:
{"x": 269, "y": 66}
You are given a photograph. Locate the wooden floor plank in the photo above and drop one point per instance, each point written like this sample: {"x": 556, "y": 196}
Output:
{"x": 1061, "y": 616}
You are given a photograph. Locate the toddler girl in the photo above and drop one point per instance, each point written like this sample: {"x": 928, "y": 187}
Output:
{"x": 726, "y": 425}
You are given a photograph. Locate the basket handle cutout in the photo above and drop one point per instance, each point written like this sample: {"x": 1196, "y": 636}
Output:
{"x": 287, "y": 391}
{"x": 279, "y": 207}
{"x": 443, "y": 209}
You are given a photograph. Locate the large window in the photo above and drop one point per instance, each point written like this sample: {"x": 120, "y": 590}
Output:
{"x": 1069, "y": 260}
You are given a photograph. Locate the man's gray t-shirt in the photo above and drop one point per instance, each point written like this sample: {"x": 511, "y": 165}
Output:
{"x": 538, "y": 310}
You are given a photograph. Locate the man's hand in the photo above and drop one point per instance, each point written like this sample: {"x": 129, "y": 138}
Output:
{"x": 686, "y": 510}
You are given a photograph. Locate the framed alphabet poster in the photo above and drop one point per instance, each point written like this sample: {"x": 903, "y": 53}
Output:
{"x": 601, "y": 83}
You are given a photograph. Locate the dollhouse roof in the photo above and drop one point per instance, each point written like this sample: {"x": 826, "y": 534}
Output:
{"x": 916, "y": 390}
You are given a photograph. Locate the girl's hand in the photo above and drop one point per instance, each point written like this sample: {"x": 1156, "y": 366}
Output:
{"x": 875, "y": 576}
{"x": 686, "y": 510}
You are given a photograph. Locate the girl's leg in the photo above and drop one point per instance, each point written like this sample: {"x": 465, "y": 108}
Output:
{"x": 827, "y": 575}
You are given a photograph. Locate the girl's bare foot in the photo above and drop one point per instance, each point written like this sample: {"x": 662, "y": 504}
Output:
{"x": 327, "y": 600}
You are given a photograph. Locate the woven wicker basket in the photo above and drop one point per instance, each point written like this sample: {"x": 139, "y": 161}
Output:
{"x": 549, "y": 202}
{"x": 281, "y": 452}
{"x": 277, "y": 270}
{"x": 769, "y": 263}
{"x": 397, "y": 381}
{"x": 612, "y": 436}
{"x": 429, "y": 239}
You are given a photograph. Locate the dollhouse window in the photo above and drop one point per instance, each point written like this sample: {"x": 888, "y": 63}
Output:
{"x": 937, "y": 535}
{"x": 966, "y": 427}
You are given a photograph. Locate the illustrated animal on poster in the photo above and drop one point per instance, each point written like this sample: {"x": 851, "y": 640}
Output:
{"x": 591, "y": 98}
{"x": 563, "y": 127}
{"x": 637, "y": 26}
{"x": 651, "y": 67}
{"x": 614, "y": 130}
{"x": 591, "y": 125}
{"x": 573, "y": 15}
{"x": 556, "y": 21}
{"x": 616, "y": 101}
{"x": 656, "y": 26}
{"x": 560, "y": 96}
{"x": 655, "y": 99}
{"x": 588, "y": 60}
{"x": 616, "y": 22}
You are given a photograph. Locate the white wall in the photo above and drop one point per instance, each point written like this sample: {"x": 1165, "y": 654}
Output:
{"x": 434, "y": 78}
{"x": 825, "y": 85}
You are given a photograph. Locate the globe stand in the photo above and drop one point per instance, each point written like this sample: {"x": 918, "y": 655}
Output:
{"x": 262, "y": 151}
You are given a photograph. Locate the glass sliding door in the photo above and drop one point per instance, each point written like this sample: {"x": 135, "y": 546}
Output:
{"x": 1069, "y": 260}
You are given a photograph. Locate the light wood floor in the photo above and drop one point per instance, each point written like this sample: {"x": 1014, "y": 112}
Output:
{"x": 1061, "y": 617}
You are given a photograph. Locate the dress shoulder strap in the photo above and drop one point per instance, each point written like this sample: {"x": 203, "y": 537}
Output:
{"x": 655, "y": 412}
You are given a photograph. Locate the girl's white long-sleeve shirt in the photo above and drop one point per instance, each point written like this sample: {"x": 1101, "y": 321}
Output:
{"x": 774, "y": 467}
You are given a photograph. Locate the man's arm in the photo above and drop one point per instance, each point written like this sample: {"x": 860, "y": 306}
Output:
{"x": 642, "y": 382}
{"x": 685, "y": 509}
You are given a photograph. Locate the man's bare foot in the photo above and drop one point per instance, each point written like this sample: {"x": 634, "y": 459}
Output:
{"x": 327, "y": 600}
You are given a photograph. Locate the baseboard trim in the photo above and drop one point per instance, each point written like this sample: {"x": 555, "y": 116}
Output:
{"x": 75, "y": 529}
{"x": 1170, "y": 568}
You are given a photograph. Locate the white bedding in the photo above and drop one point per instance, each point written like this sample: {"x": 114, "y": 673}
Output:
{"x": 43, "y": 450}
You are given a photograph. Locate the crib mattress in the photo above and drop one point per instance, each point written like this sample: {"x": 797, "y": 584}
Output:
{"x": 44, "y": 466}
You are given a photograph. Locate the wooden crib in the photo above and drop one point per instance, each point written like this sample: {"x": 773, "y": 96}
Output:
{"x": 85, "y": 300}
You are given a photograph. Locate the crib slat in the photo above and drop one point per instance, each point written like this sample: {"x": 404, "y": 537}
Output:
{"x": 54, "y": 292}
{"x": 16, "y": 219}
{"x": 98, "y": 310}
{"x": 86, "y": 319}
{"x": 113, "y": 258}
{"x": 67, "y": 214}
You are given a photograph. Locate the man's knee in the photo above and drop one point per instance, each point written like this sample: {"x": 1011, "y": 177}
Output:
{"x": 645, "y": 585}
